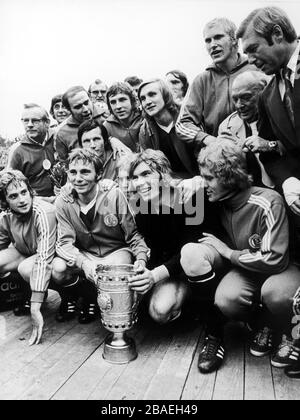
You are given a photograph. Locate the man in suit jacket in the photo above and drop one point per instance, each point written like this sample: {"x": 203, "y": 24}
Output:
{"x": 270, "y": 41}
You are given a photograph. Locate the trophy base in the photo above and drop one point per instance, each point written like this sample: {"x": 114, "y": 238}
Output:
{"x": 119, "y": 354}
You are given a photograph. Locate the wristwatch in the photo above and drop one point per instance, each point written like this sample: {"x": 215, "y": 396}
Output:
{"x": 272, "y": 145}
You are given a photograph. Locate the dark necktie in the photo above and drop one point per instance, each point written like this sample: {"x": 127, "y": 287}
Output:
{"x": 287, "y": 99}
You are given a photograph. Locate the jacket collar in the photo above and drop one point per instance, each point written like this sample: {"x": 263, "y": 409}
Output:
{"x": 133, "y": 117}
{"x": 242, "y": 61}
{"x": 238, "y": 199}
{"x": 24, "y": 139}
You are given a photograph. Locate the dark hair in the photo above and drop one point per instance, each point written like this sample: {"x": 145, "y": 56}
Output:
{"x": 12, "y": 176}
{"x": 71, "y": 92}
{"x": 133, "y": 80}
{"x": 226, "y": 160}
{"x": 121, "y": 87}
{"x": 90, "y": 125}
{"x": 263, "y": 21}
{"x": 87, "y": 156}
{"x": 170, "y": 104}
{"x": 182, "y": 77}
{"x": 157, "y": 161}
{"x": 56, "y": 99}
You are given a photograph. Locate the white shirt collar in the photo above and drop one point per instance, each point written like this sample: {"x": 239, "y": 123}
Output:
{"x": 168, "y": 128}
{"x": 292, "y": 64}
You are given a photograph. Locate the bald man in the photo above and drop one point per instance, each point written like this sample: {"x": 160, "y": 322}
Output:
{"x": 242, "y": 123}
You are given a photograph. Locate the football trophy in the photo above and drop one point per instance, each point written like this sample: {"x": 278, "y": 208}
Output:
{"x": 118, "y": 307}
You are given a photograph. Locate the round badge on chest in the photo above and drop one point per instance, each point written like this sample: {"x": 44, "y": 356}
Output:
{"x": 255, "y": 242}
{"x": 111, "y": 220}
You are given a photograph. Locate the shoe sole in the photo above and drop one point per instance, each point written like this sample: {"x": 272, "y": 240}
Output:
{"x": 279, "y": 365}
{"x": 292, "y": 375}
{"x": 259, "y": 354}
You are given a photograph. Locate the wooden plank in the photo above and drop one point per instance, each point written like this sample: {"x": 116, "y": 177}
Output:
{"x": 41, "y": 378}
{"x": 258, "y": 378}
{"x": 229, "y": 383}
{"x": 198, "y": 386}
{"x": 15, "y": 352}
{"x": 13, "y": 326}
{"x": 175, "y": 366}
{"x": 96, "y": 376}
{"x": 285, "y": 388}
{"x": 18, "y": 354}
{"x": 134, "y": 380}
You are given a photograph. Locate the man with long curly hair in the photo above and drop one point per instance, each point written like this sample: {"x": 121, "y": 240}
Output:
{"x": 261, "y": 282}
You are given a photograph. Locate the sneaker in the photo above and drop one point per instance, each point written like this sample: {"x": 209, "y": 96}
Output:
{"x": 293, "y": 371}
{"x": 262, "y": 342}
{"x": 286, "y": 354}
{"x": 23, "y": 309}
{"x": 66, "y": 311}
{"x": 212, "y": 354}
{"x": 88, "y": 313}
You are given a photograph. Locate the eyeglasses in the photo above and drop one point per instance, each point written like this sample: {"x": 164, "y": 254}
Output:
{"x": 35, "y": 121}
{"x": 97, "y": 92}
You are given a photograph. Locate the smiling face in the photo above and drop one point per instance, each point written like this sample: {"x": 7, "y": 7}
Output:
{"x": 218, "y": 43}
{"x": 121, "y": 106}
{"x": 93, "y": 140}
{"x": 19, "y": 198}
{"x": 152, "y": 100}
{"x": 83, "y": 177}
{"x": 215, "y": 190}
{"x": 268, "y": 58}
{"x": 146, "y": 182}
{"x": 60, "y": 113}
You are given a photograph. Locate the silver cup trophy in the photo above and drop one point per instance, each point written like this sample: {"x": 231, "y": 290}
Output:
{"x": 118, "y": 306}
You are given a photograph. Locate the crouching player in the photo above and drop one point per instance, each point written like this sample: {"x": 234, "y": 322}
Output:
{"x": 256, "y": 243}
{"x": 27, "y": 242}
{"x": 96, "y": 227}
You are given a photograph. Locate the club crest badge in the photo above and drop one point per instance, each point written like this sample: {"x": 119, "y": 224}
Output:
{"x": 255, "y": 242}
{"x": 111, "y": 220}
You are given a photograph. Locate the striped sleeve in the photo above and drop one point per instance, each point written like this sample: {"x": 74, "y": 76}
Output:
{"x": 66, "y": 236}
{"x": 273, "y": 255}
{"x": 189, "y": 127}
{"x": 45, "y": 223}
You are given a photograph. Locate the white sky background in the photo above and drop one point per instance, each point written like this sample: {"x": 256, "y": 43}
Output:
{"x": 46, "y": 46}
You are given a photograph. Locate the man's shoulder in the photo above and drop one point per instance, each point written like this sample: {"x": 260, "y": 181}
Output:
{"x": 114, "y": 193}
{"x": 232, "y": 120}
{"x": 269, "y": 88}
{"x": 42, "y": 206}
{"x": 61, "y": 204}
{"x": 70, "y": 126}
{"x": 265, "y": 197}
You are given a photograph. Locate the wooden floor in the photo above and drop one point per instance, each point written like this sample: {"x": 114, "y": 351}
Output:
{"x": 68, "y": 364}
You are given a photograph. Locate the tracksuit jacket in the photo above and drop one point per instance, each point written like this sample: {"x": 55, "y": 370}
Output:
{"x": 127, "y": 135}
{"x": 113, "y": 228}
{"x": 34, "y": 233}
{"x": 257, "y": 227}
{"x": 207, "y": 103}
{"x": 28, "y": 158}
